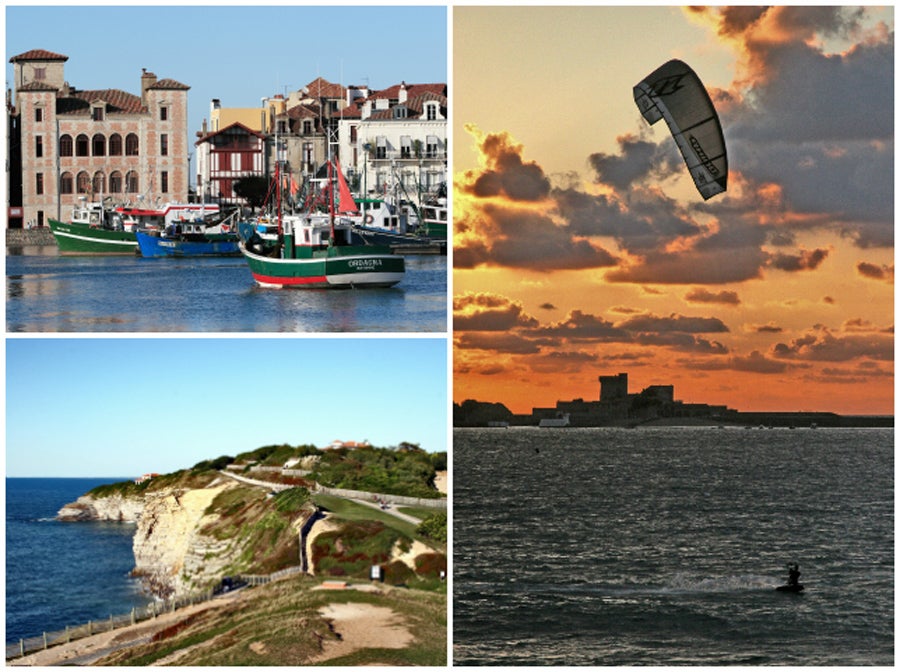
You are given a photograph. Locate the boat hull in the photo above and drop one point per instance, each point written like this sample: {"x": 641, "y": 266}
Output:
{"x": 335, "y": 267}
{"x": 75, "y": 238}
{"x": 154, "y": 246}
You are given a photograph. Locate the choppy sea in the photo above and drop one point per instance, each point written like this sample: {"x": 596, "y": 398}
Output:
{"x": 60, "y": 574}
{"x": 664, "y": 546}
{"x": 48, "y": 292}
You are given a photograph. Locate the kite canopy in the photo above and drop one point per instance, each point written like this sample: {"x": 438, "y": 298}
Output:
{"x": 674, "y": 92}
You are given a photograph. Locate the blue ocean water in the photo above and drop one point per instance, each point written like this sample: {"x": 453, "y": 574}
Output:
{"x": 60, "y": 574}
{"x": 664, "y": 546}
{"x": 48, "y": 292}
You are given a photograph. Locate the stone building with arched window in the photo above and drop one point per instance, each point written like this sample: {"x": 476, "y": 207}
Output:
{"x": 67, "y": 144}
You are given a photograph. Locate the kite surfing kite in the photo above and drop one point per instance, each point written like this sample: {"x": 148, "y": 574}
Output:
{"x": 675, "y": 93}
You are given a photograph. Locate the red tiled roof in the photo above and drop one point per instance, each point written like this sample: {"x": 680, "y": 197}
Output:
{"x": 170, "y": 84}
{"x": 393, "y": 92}
{"x": 79, "y": 102}
{"x": 38, "y": 55}
{"x": 322, "y": 88}
{"x": 235, "y": 125}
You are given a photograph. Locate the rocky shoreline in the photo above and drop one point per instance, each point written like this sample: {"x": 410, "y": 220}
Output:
{"x": 23, "y": 237}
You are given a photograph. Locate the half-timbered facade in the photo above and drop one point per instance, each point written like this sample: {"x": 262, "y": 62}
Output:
{"x": 226, "y": 156}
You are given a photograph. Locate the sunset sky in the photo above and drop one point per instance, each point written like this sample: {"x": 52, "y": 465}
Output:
{"x": 581, "y": 247}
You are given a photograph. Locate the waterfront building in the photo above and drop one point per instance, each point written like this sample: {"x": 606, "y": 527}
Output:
{"x": 389, "y": 142}
{"x": 67, "y": 145}
{"x": 226, "y": 156}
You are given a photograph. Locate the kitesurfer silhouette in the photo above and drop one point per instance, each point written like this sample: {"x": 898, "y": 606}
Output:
{"x": 793, "y": 574}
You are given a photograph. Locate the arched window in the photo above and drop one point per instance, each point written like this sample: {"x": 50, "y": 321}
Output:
{"x": 66, "y": 182}
{"x": 81, "y": 145}
{"x": 99, "y": 183}
{"x": 65, "y": 145}
{"x": 131, "y": 145}
{"x": 132, "y": 184}
{"x": 115, "y": 181}
{"x": 98, "y": 145}
{"x": 115, "y": 145}
{"x": 83, "y": 183}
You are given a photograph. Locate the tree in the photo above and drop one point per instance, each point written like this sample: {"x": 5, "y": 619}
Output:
{"x": 253, "y": 189}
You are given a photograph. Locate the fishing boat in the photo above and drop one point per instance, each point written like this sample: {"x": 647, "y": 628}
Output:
{"x": 383, "y": 222}
{"x": 316, "y": 249}
{"x": 199, "y": 238}
{"x": 434, "y": 220}
{"x": 93, "y": 229}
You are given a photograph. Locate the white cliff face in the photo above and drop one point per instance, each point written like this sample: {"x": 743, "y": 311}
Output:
{"x": 114, "y": 508}
{"x": 168, "y": 533}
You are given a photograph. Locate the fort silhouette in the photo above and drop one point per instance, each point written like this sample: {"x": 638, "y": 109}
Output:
{"x": 654, "y": 405}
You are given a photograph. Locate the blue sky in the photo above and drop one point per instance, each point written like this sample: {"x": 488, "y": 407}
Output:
{"x": 237, "y": 54}
{"x": 126, "y": 406}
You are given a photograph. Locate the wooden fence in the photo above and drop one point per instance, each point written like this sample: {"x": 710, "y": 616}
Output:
{"x": 71, "y": 633}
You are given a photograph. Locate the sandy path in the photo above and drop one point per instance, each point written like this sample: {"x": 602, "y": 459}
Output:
{"x": 86, "y": 650}
{"x": 362, "y": 626}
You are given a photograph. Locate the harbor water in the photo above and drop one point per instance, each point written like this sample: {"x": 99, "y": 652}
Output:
{"x": 60, "y": 574}
{"x": 664, "y": 546}
{"x": 46, "y": 292}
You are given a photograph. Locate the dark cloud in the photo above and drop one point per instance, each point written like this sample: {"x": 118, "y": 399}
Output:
{"x": 674, "y": 323}
{"x": 700, "y": 295}
{"x": 489, "y": 312}
{"x": 766, "y": 328}
{"x": 584, "y": 326}
{"x": 499, "y": 342}
{"x": 637, "y": 160}
{"x": 755, "y": 362}
{"x": 824, "y": 346}
{"x": 806, "y": 260}
{"x": 506, "y": 174}
{"x": 875, "y": 272}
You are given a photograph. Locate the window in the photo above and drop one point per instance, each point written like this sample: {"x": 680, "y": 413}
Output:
{"x": 81, "y": 145}
{"x": 132, "y": 184}
{"x": 163, "y": 144}
{"x": 97, "y": 113}
{"x": 307, "y": 127}
{"x": 65, "y": 183}
{"x": 164, "y": 181}
{"x": 131, "y": 145}
{"x": 115, "y": 182}
{"x": 38, "y": 146}
{"x": 98, "y": 184}
{"x": 39, "y": 183}
{"x": 431, "y": 111}
{"x": 163, "y": 113}
{"x": 98, "y": 145}
{"x": 115, "y": 145}
{"x": 40, "y": 73}
{"x": 38, "y": 114}
{"x": 381, "y": 147}
{"x": 65, "y": 145}
{"x": 399, "y": 112}
{"x": 83, "y": 183}
{"x": 405, "y": 147}
{"x": 432, "y": 147}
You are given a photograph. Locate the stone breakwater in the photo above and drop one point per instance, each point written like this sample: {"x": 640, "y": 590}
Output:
{"x": 22, "y": 237}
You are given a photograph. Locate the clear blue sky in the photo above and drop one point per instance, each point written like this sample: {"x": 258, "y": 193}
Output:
{"x": 126, "y": 406}
{"x": 236, "y": 54}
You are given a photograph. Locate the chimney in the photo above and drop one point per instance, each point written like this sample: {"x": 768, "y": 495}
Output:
{"x": 148, "y": 79}
{"x": 402, "y": 95}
